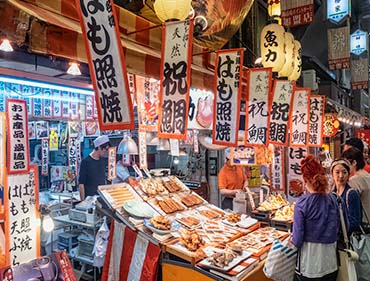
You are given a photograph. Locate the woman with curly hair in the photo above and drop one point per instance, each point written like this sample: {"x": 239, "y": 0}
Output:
{"x": 316, "y": 225}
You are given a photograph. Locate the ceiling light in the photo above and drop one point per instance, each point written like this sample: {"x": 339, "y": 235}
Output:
{"x": 6, "y": 46}
{"x": 74, "y": 69}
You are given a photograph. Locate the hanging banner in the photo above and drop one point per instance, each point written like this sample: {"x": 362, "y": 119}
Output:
{"x": 278, "y": 169}
{"x": 338, "y": 48}
{"x": 280, "y": 111}
{"x": 359, "y": 42}
{"x": 227, "y": 91}
{"x": 257, "y": 118}
{"x": 72, "y": 155}
{"x": 299, "y": 117}
{"x": 295, "y": 180}
{"x": 57, "y": 104}
{"x": 65, "y": 105}
{"x": 142, "y": 150}
{"x": 107, "y": 64}
{"x": 359, "y": 73}
{"x": 336, "y": 10}
{"x": 147, "y": 103}
{"x": 331, "y": 125}
{"x": 294, "y": 13}
{"x": 48, "y": 103}
{"x": 36, "y": 107}
{"x": 132, "y": 88}
{"x": 317, "y": 111}
{"x": 112, "y": 159}
{"x": 74, "y": 106}
{"x": 89, "y": 108}
{"x": 200, "y": 110}
{"x": 44, "y": 156}
{"x": 17, "y": 136}
{"x": 175, "y": 79}
{"x": 22, "y": 217}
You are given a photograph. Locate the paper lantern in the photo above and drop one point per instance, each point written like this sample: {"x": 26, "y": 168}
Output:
{"x": 172, "y": 9}
{"x": 297, "y": 62}
{"x": 272, "y": 46}
{"x": 274, "y": 8}
{"x": 288, "y": 67}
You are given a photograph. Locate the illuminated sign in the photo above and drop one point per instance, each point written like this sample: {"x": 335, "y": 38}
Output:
{"x": 337, "y": 10}
{"x": 358, "y": 42}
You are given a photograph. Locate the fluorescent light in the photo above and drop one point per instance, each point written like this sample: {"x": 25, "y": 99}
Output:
{"x": 74, "y": 69}
{"x": 6, "y": 46}
{"x": 45, "y": 85}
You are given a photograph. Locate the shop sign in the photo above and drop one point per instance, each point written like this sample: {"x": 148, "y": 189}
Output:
{"x": 175, "y": 79}
{"x": 142, "y": 150}
{"x": 317, "y": 110}
{"x": 200, "y": 110}
{"x": 107, "y": 64}
{"x": 299, "y": 120}
{"x": 147, "y": 103}
{"x": 72, "y": 155}
{"x": 257, "y": 117}
{"x": 65, "y": 104}
{"x": 294, "y": 13}
{"x": 112, "y": 159}
{"x": 22, "y": 217}
{"x": 272, "y": 46}
{"x": 74, "y": 104}
{"x": 359, "y": 40}
{"x": 227, "y": 91}
{"x": 295, "y": 180}
{"x": 337, "y": 10}
{"x": 359, "y": 73}
{"x": 57, "y": 104}
{"x": 339, "y": 48}
{"x": 331, "y": 125}
{"x": 17, "y": 132}
{"x": 280, "y": 111}
{"x": 278, "y": 169}
{"x": 44, "y": 156}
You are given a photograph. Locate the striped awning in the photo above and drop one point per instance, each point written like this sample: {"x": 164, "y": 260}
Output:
{"x": 52, "y": 27}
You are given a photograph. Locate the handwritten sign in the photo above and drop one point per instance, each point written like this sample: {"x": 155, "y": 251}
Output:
{"x": 317, "y": 109}
{"x": 142, "y": 150}
{"x": 48, "y": 103}
{"x": 200, "y": 110}
{"x": 17, "y": 133}
{"x": 295, "y": 180}
{"x": 65, "y": 104}
{"x": 72, "y": 155}
{"x": 147, "y": 103}
{"x": 57, "y": 104}
{"x": 299, "y": 118}
{"x": 256, "y": 128}
{"x": 280, "y": 111}
{"x": 89, "y": 107}
{"x": 112, "y": 159}
{"x": 22, "y": 204}
{"x": 44, "y": 156}
{"x": 74, "y": 106}
{"x": 227, "y": 91}
{"x": 294, "y": 13}
{"x": 175, "y": 79}
{"x": 278, "y": 169}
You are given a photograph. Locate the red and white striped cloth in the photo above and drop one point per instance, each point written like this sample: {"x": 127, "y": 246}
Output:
{"x": 129, "y": 256}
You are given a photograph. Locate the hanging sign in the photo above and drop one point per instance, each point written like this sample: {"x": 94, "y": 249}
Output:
{"x": 107, "y": 64}
{"x": 259, "y": 84}
{"x": 112, "y": 159}
{"x": 359, "y": 40}
{"x": 142, "y": 150}
{"x": 57, "y": 104}
{"x": 74, "y": 106}
{"x": 17, "y": 136}
{"x": 278, "y": 169}
{"x": 359, "y": 73}
{"x": 299, "y": 117}
{"x": 175, "y": 79}
{"x": 227, "y": 91}
{"x": 317, "y": 110}
{"x": 37, "y": 107}
{"x": 338, "y": 49}
{"x": 65, "y": 104}
{"x": 72, "y": 155}
{"x": 337, "y": 10}
{"x": 48, "y": 103}
{"x": 132, "y": 88}
{"x": 295, "y": 180}
{"x": 44, "y": 156}
{"x": 331, "y": 125}
{"x": 89, "y": 107}
{"x": 22, "y": 217}
{"x": 294, "y": 13}
{"x": 272, "y": 46}
{"x": 280, "y": 111}
{"x": 200, "y": 110}
{"x": 175, "y": 148}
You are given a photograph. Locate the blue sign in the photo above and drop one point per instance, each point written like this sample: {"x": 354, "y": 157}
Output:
{"x": 359, "y": 42}
{"x": 337, "y": 10}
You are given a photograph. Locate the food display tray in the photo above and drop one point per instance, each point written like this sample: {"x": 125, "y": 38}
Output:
{"x": 262, "y": 215}
{"x": 282, "y": 225}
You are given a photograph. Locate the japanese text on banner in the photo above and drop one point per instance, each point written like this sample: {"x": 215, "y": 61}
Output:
{"x": 44, "y": 156}
{"x": 317, "y": 109}
{"x": 295, "y": 181}
{"x": 112, "y": 158}
{"x": 147, "y": 103}
{"x": 142, "y": 150}
{"x": 227, "y": 90}
{"x": 72, "y": 155}
{"x": 299, "y": 117}
{"x": 107, "y": 64}
{"x": 175, "y": 79}
{"x": 294, "y": 13}
{"x": 256, "y": 129}
{"x": 278, "y": 169}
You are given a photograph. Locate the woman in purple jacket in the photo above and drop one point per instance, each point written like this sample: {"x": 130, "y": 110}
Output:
{"x": 316, "y": 225}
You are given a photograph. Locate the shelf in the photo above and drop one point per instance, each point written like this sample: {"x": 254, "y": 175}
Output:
{"x": 65, "y": 219}
{"x": 84, "y": 260}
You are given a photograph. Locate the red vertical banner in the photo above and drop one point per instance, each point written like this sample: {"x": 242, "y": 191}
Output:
{"x": 278, "y": 169}
{"x": 316, "y": 126}
{"x": 44, "y": 156}
{"x": 107, "y": 64}
{"x": 280, "y": 109}
{"x": 257, "y": 115}
{"x": 112, "y": 159}
{"x": 227, "y": 91}
{"x": 299, "y": 119}
{"x": 142, "y": 150}
{"x": 72, "y": 155}
{"x": 175, "y": 79}
{"x": 17, "y": 136}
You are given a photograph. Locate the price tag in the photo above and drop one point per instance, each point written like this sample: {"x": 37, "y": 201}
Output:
{"x": 138, "y": 171}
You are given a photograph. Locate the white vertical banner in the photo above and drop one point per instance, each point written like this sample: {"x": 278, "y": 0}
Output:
{"x": 72, "y": 155}
{"x": 175, "y": 79}
{"x": 227, "y": 91}
{"x": 295, "y": 180}
{"x": 142, "y": 150}
{"x": 257, "y": 115}
{"x": 175, "y": 147}
{"x": 278, "y": 169}
{"x": 44, "y": 156}
{"x": 299, "y": 119}
{"x": 112, "y": 159}
{"x": 317, "y": 110}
